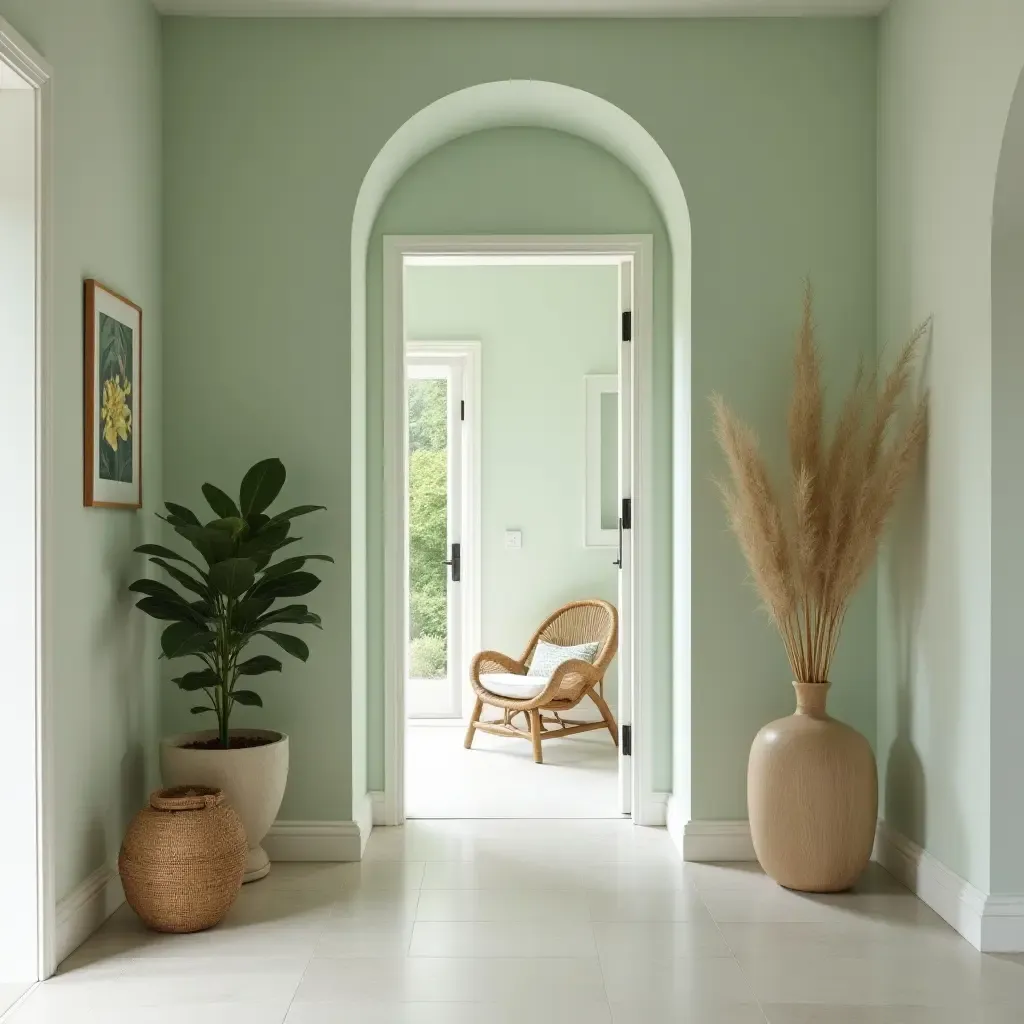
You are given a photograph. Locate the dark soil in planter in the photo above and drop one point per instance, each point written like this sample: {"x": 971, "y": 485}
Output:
{"x": 234, "y": 743}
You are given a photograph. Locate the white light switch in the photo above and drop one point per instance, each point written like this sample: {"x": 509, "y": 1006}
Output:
{"x": 513, "y": 538}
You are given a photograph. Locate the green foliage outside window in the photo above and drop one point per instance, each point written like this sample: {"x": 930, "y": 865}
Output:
{"x": 428, "y": 528}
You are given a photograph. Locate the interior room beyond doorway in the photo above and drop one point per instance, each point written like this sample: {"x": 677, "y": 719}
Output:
{"x": 513, "y": 476}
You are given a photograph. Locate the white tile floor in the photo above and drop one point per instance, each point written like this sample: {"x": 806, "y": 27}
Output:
{"x": 498, "y": 778}
{"x": 543, "y": 922}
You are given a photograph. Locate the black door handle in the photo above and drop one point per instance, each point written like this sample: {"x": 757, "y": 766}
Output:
{"x": 618, "y": 561}
{"x": 456, "y": 563}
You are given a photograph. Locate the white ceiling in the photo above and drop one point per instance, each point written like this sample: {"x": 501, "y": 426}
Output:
{"x": 522, "y": 8}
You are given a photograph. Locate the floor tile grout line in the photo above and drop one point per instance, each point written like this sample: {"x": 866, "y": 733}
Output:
{"x": 732, "y": 952}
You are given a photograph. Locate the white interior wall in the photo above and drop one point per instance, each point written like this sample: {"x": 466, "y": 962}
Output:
{"x": 18, "y": 860}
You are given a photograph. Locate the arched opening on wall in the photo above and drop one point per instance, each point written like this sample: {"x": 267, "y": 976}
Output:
{"x": 1007, "y": 697}
{"x": 573, "y": 111}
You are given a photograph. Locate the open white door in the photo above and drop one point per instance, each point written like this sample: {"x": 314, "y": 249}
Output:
{"x": 625, "y": 559}
{"x": 436, "y": 654}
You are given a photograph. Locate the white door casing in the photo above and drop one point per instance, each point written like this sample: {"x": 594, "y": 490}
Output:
{"x": 635, "y": 778}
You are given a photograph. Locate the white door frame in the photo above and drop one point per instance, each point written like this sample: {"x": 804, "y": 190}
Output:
{"x": 17, "y": 53}
{"x": 646, "y": 807}
{"x": 469, "y": 353}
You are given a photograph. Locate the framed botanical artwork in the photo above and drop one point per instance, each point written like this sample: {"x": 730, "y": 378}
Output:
{"x": 113, "y": 399}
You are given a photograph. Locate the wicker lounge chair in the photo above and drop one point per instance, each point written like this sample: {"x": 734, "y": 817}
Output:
{"x": 544, "y": 700}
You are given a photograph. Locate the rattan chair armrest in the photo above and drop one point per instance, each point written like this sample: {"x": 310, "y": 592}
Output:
{"x": 573, "y": 667}
{"x": 495, "y": 661}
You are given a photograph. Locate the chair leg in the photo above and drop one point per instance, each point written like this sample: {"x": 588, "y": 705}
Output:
{"x": 474, "y": 718}
{"x": 606, "y": 714}
{"x": 538, "y": 754}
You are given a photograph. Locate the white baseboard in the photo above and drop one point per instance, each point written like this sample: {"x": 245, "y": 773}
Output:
{"x": 85, "y": 908}
{"x": 715, "y": 841}
{"x": 993, "y": 924}
{"x": 314, "y": 841}
{"x": 377, "y": 803}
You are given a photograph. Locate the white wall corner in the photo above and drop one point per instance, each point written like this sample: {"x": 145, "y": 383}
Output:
{"x": 654, "y": 809}
{"x": 1002, "y": 924}
{"x": 83, "y": 910}
{"x": 314, "y": 841}
{"x": 717, "y": 841}
{"x": 363, "y": 814}
{"x": 993, "y": 924}
{"x": 675, "y": 822}
{"x": 377, "y": 803}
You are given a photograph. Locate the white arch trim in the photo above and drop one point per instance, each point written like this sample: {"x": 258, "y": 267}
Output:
{"x": 563, "y": 108}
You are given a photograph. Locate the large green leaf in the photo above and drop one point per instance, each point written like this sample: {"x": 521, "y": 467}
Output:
{"x": 163, "y": 552}
{"x": 267, "y": 540}
{"x": 197, "y": 680}
{"x": 233, "y": 526}
{"x": 220, "y": 502}
{"x": 187, "y": 581}
{"x": 213, "y": 545}
{"x": 247, "y": 697}
{"x": 185, "y": 638}
{"x": 260, "y": 486}
{"x": 170, "y": 611}
{"x": 233, "y": 577}
{"x": 292, "y": 644}
{"x": 175, "y": 521}
{"x": 294, "y": 513}
{"x": 258, "y": 665}
{"x": 245, "y": 613}
{"x": 295, "y": 584}
{"x": 297, "y": 614}
{"x": 181, "y": 512}
{"x": 263, "y": 559}
{"x": 257, "y": 521}
{"x": 154, "y": 588}
{"x": 288, "y": 565}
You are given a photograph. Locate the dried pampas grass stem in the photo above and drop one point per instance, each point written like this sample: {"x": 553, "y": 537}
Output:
{"x": 807, "y": 555}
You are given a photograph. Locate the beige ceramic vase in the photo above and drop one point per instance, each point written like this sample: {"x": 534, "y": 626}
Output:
{"x": 812, "y": 797}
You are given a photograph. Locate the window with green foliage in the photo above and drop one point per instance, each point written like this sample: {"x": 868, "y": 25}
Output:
{"x": 428, "y": 528}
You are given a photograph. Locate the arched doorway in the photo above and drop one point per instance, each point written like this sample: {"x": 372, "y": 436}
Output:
{"x": 548, "y": 105}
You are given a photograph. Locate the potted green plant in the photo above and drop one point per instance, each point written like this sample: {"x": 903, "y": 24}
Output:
{"x": 232, "y": 592}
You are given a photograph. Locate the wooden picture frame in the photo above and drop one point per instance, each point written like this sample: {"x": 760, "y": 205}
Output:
{"x": 112, "y": 460}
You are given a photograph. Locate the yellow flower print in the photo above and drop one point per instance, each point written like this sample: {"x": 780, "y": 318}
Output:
{"x": 116, "y": 415}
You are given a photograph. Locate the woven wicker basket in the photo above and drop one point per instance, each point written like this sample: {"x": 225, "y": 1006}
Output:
{"x": 182, "y": 859}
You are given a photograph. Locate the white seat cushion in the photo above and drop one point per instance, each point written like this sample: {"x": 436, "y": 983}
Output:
{"x": 507, "y": 684}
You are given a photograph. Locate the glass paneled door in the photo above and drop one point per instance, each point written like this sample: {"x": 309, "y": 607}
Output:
{"x": 435, "y": 409}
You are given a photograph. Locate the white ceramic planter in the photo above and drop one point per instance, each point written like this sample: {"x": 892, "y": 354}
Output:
{"x": 252, "y": 778}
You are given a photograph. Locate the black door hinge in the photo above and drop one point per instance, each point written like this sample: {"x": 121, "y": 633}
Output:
{"x": 627, "y": 740}
{"x": 462, "y": 409}
{"x": 627, "y": 325}
{"x": 627, "y": 513}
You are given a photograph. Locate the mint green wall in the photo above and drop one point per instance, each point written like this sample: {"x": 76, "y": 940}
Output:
{"x": 269, "y": 128}
{"x": 106, "y": 225}
{"x": 542, "y": 330}
{"x": 528, "y": 181}
{"x": 949, "y": 726}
